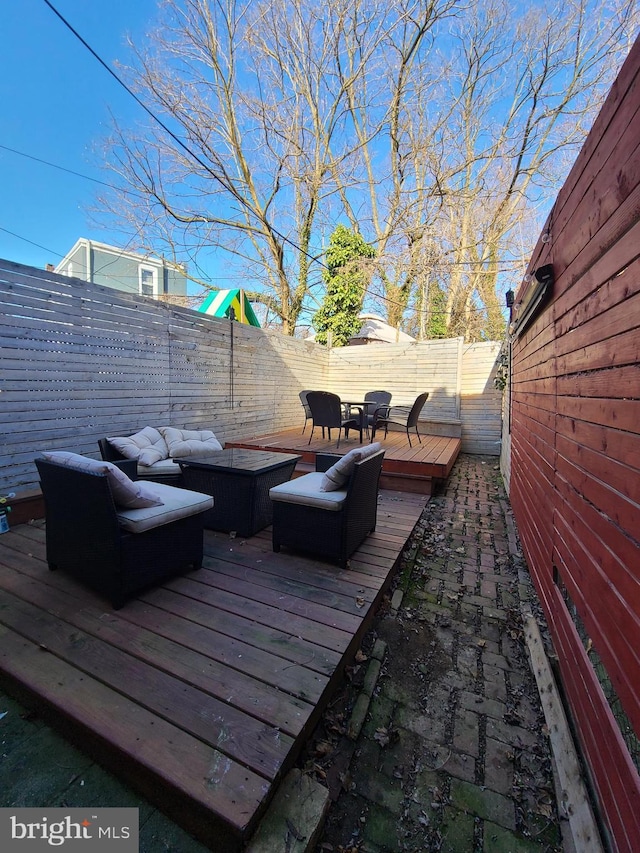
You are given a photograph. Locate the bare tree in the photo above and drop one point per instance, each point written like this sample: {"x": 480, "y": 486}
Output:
{"x": 524, "y": 94}
{"x": 433, "y": 127}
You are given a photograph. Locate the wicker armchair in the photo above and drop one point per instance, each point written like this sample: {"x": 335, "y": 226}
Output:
{"x": 327, "y": 524}
{"x": 401, "y": 415}
{"x": 326, "y": 411}
{"x": 115, "y": 551}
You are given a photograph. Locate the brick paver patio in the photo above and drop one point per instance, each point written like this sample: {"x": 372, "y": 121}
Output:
{"x": 451, "y": 751}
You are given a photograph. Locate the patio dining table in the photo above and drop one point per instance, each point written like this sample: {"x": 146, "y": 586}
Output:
{"x": 364, "y": 406}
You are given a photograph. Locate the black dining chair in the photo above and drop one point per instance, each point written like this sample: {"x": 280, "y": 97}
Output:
{"x": 382, "y": 398}
{"x": 401, "y": 415}
{"x": 326, "y": 412}
{"x": 306, "y": 407}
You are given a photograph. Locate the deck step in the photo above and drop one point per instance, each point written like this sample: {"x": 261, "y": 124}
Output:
{"x": 413, "y": 483}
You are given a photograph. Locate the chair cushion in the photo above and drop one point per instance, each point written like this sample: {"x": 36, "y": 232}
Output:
{"x": 147, "y": 446}
{"x": 126, "y": 492}
{"x": 337, "y": 476}
{"x": 306, "y": 490}
{"x": 163, "y": 467}
{"x": 189, "y": 442}
{"x": 176, "y": 503}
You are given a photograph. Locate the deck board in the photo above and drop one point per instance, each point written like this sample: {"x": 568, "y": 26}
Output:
{"x": 404, "y": 468}
{"x": 203, "y": 691}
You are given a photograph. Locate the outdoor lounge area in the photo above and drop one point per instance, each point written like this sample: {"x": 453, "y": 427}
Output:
{"x": 199, "y": 692}
{"x": 202, "y": 689}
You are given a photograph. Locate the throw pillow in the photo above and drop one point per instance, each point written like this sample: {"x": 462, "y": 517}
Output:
{"x": 189, "y": 442}
{"x": 126, "y": 492}
{"x": 335, "y": 477}
{"x": 370, "y": 449}
{"x": 147, "y": 446}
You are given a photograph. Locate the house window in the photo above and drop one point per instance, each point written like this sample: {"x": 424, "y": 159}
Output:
{"x": 148, "y": 281}
{"x": 70, "y": 269}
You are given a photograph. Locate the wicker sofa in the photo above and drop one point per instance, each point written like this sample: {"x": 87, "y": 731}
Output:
{"x": 329, "y": 512}
{"x": 154, "y": 450}
{"x": 115, "y": 535}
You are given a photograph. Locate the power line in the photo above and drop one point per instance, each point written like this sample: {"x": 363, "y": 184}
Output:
{"x": 444, "y": 265}
{"x": 69, "y": 171}
{"x": 173, "y": 136}
{"x": 178, "y": 141}
{"x": 37, "y": 245}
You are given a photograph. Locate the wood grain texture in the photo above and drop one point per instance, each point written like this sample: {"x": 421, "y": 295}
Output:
{"x": 203, "y": 691}
{"x": 575, "y": 446}
{"x": 82, "y": 361}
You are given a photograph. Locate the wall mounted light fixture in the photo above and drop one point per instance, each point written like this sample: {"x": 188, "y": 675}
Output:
{"x": 544, "y": 274}
{"x": 534, "y": 299}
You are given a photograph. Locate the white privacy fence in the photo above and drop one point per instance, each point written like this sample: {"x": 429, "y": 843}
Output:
{"x": 80, "y": 361}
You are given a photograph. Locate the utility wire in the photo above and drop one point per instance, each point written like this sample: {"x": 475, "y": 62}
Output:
{"x": 173, "y": 136}
{"x": 69, "y": 171}
{"x": 446, "y": 265}
{"x": 37, "y": 245}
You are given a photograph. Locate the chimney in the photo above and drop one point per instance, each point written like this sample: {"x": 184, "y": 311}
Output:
{"x": 50, "y": 268}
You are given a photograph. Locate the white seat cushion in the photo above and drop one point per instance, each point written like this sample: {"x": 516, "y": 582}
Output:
{"x": 306, "y": 490}
{"x": 147, "y": 446}
{"x": 189, "y": 442}
{"x": 176, "y": 503}
{"x": 164, "y": 467}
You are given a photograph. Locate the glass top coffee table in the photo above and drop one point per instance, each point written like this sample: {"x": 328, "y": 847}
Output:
{"x": 239, "y": 481}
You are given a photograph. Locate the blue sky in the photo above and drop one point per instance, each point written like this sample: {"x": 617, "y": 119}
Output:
{"x": 55, "y": 99}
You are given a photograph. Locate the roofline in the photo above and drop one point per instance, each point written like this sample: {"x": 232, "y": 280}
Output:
{"x": 83, "y": 242}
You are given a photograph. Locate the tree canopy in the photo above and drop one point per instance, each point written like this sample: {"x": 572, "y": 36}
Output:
{"x": 440, "y": 131}
{"x": 346, "y": 277}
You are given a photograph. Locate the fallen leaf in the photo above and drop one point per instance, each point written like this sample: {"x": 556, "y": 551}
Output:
{"x": 382, "y": 737}
{"x": 386, "y": 736}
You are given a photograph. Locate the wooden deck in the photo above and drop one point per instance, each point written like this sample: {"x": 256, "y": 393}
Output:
{"x": 202, "y": 692}
{"x": 408, "y": 469}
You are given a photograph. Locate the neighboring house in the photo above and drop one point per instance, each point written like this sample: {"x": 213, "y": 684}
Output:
{"x": 128, "y": 271}
{"x": 375, "y": 330}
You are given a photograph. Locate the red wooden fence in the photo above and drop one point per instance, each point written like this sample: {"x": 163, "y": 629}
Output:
{"x": 575, "y": 445}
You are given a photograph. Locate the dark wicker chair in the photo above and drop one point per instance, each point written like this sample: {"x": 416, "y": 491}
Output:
{"x": 333, "y": 535}
{"x": 382, "y": 398}
{"x": 110, "y": 454}
{"x": 401, "y": 415}
{"x": 85, "y": 538}
{"x": 306, "y": 407}
{"x": 326, "y": 411}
